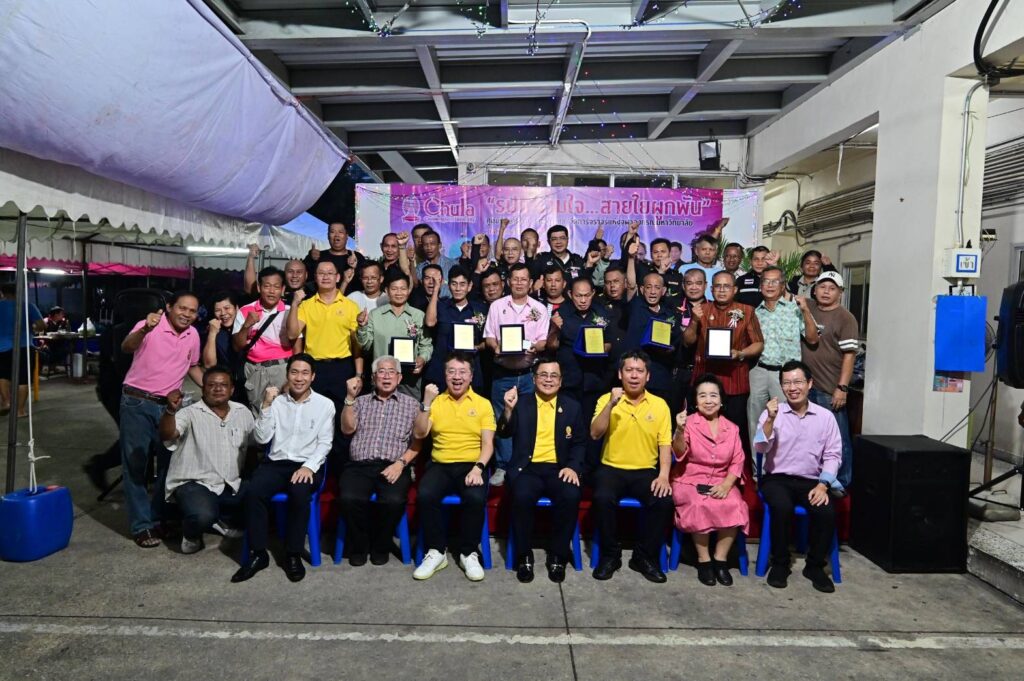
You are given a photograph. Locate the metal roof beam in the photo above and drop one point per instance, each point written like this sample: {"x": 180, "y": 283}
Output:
{"x": 432, "y": 72}
{"x": 402, "y": 167}
{"x": 366, "y": 8}
{"x": 713, "y": 58}
{"x": 573, "y": 62}
{"x": 639, "y": 9}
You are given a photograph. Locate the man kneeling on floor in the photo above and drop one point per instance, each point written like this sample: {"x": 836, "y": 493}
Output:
{"x": 207, "y": 441}
{"x": 299, "y": 425}
{"x": 462, "y": 426}
{"x": 382, "y": 450}
{"x": 635, "y": 462}
{"x": 802, "y": 451}
{"x": 548, "y": 449}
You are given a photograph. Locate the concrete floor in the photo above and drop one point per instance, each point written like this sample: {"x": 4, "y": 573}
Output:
{"x": 103, "y": 609}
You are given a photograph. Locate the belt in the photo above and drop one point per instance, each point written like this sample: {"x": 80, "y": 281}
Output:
{"x": 332, "y": 359}
{"x": 769, "y": 367}
{"x": 268, "y": 363}
{"x": 142, "y": 394}
{"x": 502, "y": 371}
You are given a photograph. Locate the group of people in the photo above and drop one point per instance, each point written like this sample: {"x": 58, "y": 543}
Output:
{"x": 547, "y": 371}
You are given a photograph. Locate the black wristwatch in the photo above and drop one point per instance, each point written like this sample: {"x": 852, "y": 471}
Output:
{"x": 844, "y": 388}
{"x": 480, "y": 466}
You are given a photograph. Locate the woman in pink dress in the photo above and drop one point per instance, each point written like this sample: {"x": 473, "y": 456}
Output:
{"x": 709, "y": 462}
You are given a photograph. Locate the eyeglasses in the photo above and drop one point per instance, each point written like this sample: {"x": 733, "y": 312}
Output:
{"x": 722, "y": 287}
{"x": 386, "y": 372}
{"x": 456, "y": 372}
{"x": 771, "y": 282}
{"x": 545, "y": 374}
{"x": 794, "y": 384}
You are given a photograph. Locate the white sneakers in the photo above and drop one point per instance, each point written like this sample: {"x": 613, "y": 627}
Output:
{"x": 498, "y": 478}
{"x": 471, "y": 566}
{"x": 433, "y": 562}
{"x": 188, "y": 546}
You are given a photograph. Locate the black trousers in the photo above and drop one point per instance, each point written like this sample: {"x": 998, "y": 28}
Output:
{"x": 782, "y": 493}
{"x": 369, "y": 529}
{"x": 734, "y": 408}
{"x": 533, "y": 482}
{"x": 440, "y": 480}
{"x": 588, "y": 403}
{"x": 270, "y": 478}
{"x": 331, "y": 377}
{"x": 200, "y": 508}
{"x": 610, "y": 485}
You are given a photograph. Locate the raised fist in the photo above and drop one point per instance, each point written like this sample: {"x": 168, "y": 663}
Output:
{"x": 617, "y": 394}
{"x": 592, "y": 258}
{"x": 350, "y": 274}
{"x": 270, "y": 394}
{"x": 152, "y": 319}
{"x": 511, "y": 397}
{"x": 801, "y": 302}
{"x": 429, "y": 393}
{"x": 633, "y": 247}
{"x": 174, "y": 399}
{"x": 363, "y": 318}
{"x": 403, "y": 238}
{"x": 252, "y": 318}
{"x": 772, "y": 258}
{"x": 478, "y": 238}
{"x": 599, "y": 234}
{"x": 634, "y": 227}
{"x": 697, "y": 311}
{"x": 503, "y": 222}
{"x": 214, "y": 325}
{"x": 298, "y": 296}
{"x": 826, "y": 261}
{"x": 314, "y": 254}
{"x": 354, "y": 386}
{"x": 556, "y": 319}
{"x": 254, "y": 250}
{"x": 772, "y": 407}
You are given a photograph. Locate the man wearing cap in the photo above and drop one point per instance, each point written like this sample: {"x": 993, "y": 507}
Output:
{"x": 831, "y": 359}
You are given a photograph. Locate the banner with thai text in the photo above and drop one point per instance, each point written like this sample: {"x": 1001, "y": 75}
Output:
{"x": 458, "y": 212}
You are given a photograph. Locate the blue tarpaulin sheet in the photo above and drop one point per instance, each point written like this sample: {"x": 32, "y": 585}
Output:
{"x": 960, "y": 333}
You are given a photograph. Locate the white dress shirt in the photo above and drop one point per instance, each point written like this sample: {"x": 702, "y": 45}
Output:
{"x": 301, "y": 431}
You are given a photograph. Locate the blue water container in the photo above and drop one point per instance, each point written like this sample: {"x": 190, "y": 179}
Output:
{"x": 32, "y": 526}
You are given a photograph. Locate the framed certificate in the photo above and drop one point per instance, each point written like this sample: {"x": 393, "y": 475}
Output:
{"x": 590, "y": 342}
{"x": 659, "y": 334}
{"x": 404, "y": 350}
{"x": 719, "y": 345}
{"x": 463, "y": 336}
{"x": 512, "y": 340}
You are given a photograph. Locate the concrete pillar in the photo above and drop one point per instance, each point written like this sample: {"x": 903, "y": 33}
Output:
{"x": 917, "y": 176}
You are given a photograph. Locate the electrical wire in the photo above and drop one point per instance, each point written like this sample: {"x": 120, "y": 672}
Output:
{"x": 959, "y": 425}
{"x": 990, "y": 71}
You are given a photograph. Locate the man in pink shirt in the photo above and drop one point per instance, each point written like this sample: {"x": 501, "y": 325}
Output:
{"x": 260, "y": 334}
{"x": 802, "y": 450}
{"x": 165, "y": 348}
{"x": 513, "y": 369}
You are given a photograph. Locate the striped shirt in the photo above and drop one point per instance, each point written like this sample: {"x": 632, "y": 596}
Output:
{"x": 383, "y": 426}
{"x": 209, "y": 450}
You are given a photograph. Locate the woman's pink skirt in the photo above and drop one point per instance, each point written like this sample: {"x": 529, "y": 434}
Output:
{"x": 699, "y": 514}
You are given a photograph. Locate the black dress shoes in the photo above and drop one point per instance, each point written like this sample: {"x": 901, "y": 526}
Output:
{"x": 556, "y": 571}
{"x": 647, "y": 568}
{"x": 721, "y": 569}
{"x": 257, "y": 561}
{"x": 606, "y": 568}
{"x": 380, "y": 558}
{"x": 706, "y": 573}
{"x": 524, "y": 571}
{"x": 357, "y": 559}
{"x": 778, "y": 577}
{"x": 294, "y": 569}
{"x": 819, "y": 580}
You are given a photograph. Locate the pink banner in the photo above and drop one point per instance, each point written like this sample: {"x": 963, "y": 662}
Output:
{"x": 459, "y": 212}
{"x": 10, "y": 262}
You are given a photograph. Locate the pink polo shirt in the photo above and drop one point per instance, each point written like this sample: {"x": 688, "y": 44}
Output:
{"x": 533, "y": 316}
{"x": 268, "y": 347}
{"x": 164, "y": 357}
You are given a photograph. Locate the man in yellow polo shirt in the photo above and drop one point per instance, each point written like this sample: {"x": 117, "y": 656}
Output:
{"x": 635, "y": 461}
{"x": 329, "y": 321}
{"x": 462, "y": 426}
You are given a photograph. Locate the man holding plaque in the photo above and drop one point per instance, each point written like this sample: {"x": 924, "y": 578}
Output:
{"x": 578, "y": 336}
{"x": 653, "y": 327}
{"x": 635, "y": 460}
{"x": 396, "y": 329}
{"x": 727, "y": 337}
{"x": 516, "y": 330}
{"x": 457, "y": 324}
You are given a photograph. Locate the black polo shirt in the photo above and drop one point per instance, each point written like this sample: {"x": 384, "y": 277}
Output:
{"x": 588, "y": 374}
{"x": 572, "y": 267}
{"x": 748, "y": 289}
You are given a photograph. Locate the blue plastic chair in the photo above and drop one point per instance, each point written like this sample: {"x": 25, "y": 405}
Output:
{"x": 577, "y": 550}
{"x": 764, "y": 549}
{"x": 595, "y": 546}
{"x": 312, "y": 530}
{"x": 485, "y": 534}
{"x": 677, "y": 538}
{"x": 404, "y": 542}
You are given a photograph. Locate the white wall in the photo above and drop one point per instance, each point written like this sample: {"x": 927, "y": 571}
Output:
{"x": 1005, "y": 122}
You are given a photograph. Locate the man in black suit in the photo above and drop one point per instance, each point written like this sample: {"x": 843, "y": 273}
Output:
{"x": 549, "y": 436}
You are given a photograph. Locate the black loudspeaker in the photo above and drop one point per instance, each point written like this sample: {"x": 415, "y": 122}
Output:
{"x": 909, "y": 503}
{"x": 1010, "y": 337}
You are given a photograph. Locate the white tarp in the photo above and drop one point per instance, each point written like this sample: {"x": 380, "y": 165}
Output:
{"x": 159, "y": 95}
